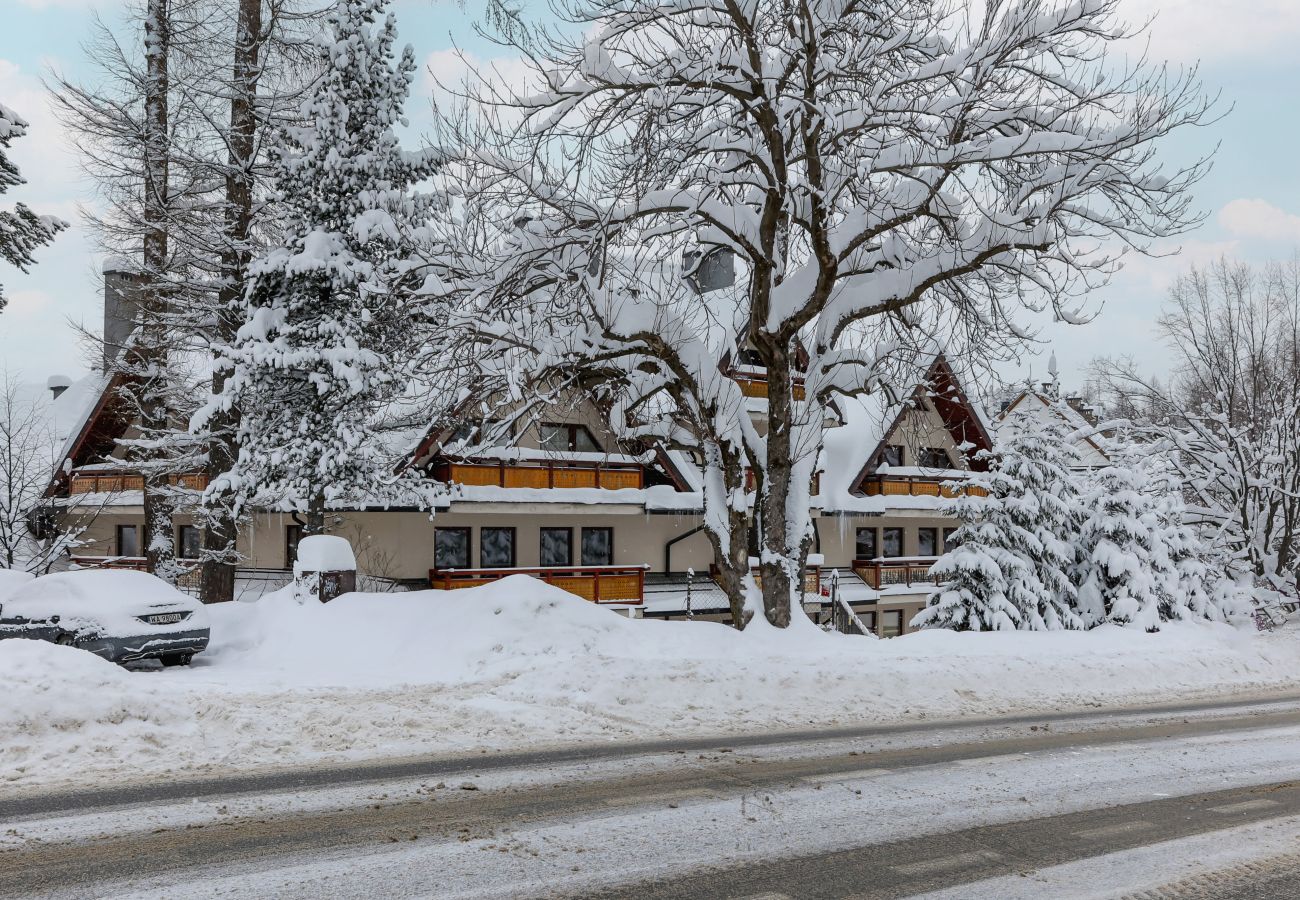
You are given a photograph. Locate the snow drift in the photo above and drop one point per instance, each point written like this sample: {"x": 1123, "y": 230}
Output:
{"x": 521, "y": 663}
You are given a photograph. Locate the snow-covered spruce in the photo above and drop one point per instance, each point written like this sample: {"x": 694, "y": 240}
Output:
{"x": 313, "y": 365}
{"x": 1016, "y": 549}
{"x": 21, "y": 231}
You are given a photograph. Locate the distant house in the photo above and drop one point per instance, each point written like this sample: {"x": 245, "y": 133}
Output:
{"x": 559, "y": 498}
{"x": 1046, "y": 404}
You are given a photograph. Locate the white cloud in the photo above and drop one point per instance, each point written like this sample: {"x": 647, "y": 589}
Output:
{"x": 1261, "y": 220}
{"x": 72, "y": 4}
{"x": 1189, "y": 30}
{"x": 455, "y": 69}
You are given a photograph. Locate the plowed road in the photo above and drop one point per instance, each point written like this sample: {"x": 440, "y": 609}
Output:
{"x": 1187, "y": 801}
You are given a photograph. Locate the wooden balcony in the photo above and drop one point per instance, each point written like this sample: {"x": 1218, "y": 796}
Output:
{"x": 599, "y": 584}
{"x": 917, "y": 486}
{"x": 882, "y": 573}
{"x": 755, "y": 386}
{"x": 138, "y": 563}
{"x": 112, "y": 483}
{"x": 611, "y": 476}
{"x": 814, "y": 487}
{"x": 812, "y": 578}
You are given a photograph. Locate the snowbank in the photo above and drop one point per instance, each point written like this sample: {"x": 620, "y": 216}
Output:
{"x": 11, "y": 580}
{"x": 518, "y": 663}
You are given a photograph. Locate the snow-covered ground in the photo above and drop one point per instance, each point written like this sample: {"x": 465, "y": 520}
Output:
{"x": 519, "y": 663}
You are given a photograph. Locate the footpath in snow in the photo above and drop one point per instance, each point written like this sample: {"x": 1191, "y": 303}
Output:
{"x": 520, "y": 663}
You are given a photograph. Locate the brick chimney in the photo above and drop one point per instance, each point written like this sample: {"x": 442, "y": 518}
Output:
{"x": 121, "y": 306}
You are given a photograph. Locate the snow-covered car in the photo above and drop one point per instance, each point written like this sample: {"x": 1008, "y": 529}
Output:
{"x": 120, "y": 615}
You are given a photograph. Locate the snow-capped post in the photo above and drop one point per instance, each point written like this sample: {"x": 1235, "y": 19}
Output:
{"x": 325, "y": 568}
{"x": 875, "y": 174}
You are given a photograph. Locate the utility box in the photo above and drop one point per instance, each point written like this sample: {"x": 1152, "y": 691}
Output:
{"x": 326, "y": 567}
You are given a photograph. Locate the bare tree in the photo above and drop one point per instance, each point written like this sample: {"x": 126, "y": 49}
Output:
{"x": 1231, "y": 407}
{"x": 27, "y": 451}
{"x": 880, "y": 174}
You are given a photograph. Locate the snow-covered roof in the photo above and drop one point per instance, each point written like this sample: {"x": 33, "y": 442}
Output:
{"x": 1030, "y": 402}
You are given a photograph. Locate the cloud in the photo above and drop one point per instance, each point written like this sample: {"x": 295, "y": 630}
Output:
{"x": 453, "y": 70}
{"x": 1261, "y": 220}
{"x": 72, "y": 4}
{"x": 27, "y": 303}
{"x": 1190, "y": 30}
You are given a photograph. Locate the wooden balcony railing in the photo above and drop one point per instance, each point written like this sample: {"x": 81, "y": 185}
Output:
{"x": 814, "y": 488}
{"x": 753, "y": 386}
{"x": 879, "y": 573}
{"x": 812, "y": 578}
{"x": 138, "y": 563}
{"x": 599, "y": 584}
{"x": 611, "y": 476}
{"x": 109, "y": 483}
{"x": 917, "y": 486}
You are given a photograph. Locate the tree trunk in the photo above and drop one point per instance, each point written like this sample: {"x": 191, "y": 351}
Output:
{"x": 314, "y": 518}
{"x": 219, "y": 534}
{"x": 149, "y": 360}
{"x": 730, "y": 550}
{"x": 780, "y": 581}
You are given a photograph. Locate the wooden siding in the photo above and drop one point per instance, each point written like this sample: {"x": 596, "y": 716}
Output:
{"x": 911, "y": 486}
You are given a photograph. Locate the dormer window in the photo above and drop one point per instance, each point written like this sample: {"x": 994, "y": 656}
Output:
{"x": 561, "y": 436}
{"x": 934, "y": 458}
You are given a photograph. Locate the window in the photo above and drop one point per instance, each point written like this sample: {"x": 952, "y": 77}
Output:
{"x": 934, "y": 458}
{"x": 563, "y": 436}
{"x": 891, "y": 623}
{"x": 598, "y": 546}
{"x": 893, "y": 455}
{"x": 292, "y": 535}
{"x": 128, "y": 540}
{"x": 927, "y": 542}
{"x": 476, "y": 432}
{"x": 893, "y": 542}
{"x": 557, "y": 547}
{"x": 496, "y": 548}
{"x": 868, "y": 621}
{"x": 949, "y": 539}
{"x": 187, "y": 542}
{"x": 866, "y": 548}
{"x": 451, "y": 548}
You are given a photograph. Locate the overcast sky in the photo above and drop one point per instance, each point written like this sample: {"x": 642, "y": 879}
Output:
{"x": 1246, "y": 50}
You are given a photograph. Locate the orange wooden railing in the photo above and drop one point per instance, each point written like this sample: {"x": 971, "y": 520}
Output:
{"x": 612, "y": 476}
{"x": 812, "y": 578}
{"x": 95, "y": 483}
{"x": 890, "y": 572}
{"x": 917, "y": 486}
{"x": 186, "y": 578}
{"x": 599, "y": 584}
{"x": 754, "y": 386}
{"x": 815, "y": 487}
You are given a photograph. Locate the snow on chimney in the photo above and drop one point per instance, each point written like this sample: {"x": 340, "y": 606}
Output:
{"x": 57, "y": 384}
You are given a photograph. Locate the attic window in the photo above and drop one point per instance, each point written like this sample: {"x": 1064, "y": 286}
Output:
{"x": 934, "y": 458}
{"x": 475, "y": 432}
{"x": 892, "y": 455}
{"x": 561, "y": 436}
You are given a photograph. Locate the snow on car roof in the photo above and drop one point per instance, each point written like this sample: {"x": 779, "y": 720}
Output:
{"x": 11, "y": 580}
{"x": 99, "y": 587}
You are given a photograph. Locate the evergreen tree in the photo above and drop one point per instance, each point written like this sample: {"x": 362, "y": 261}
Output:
{"x": 311, "y": 367}
{"x": 1016, "y": 548}
{"x": 22, "y": 230}
{"x": 1126, "y": 573}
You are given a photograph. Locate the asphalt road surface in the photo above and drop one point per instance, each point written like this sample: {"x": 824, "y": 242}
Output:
{"x": 966, "y": 808}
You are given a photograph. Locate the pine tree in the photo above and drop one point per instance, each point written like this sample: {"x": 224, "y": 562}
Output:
{"x": 22, "y": 230}
{"x": 1126, "y": 573}
{"x": 1016, "y": 547}
{"x": 310, "y": 368}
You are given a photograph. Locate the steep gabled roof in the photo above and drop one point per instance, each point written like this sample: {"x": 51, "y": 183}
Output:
{"x": 1071, "y": 417}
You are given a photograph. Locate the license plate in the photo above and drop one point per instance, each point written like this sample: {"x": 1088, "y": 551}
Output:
{"x": 164, "y": 619}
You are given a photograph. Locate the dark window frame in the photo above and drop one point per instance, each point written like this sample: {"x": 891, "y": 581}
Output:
{"x": 892, "y": 450}
{"x": 541, "y": 545}
{"x": 885, "y": 616}
{"x": 926, "y": 458}
{"x": 469, "y": 545}
{"x": 582, "y": 544}
{"x": 121, "y": 529}
{"x": 934, "y": 540}
{"x": 875, "y": 543}
{"x": 180, "y": 541}
{"x": 292, "y": 535}
{"x": 947, "y": 539}
{"x": 514, "y": 546}
{"x": 884, "y": 543}
{"x": 571, "y": 446}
